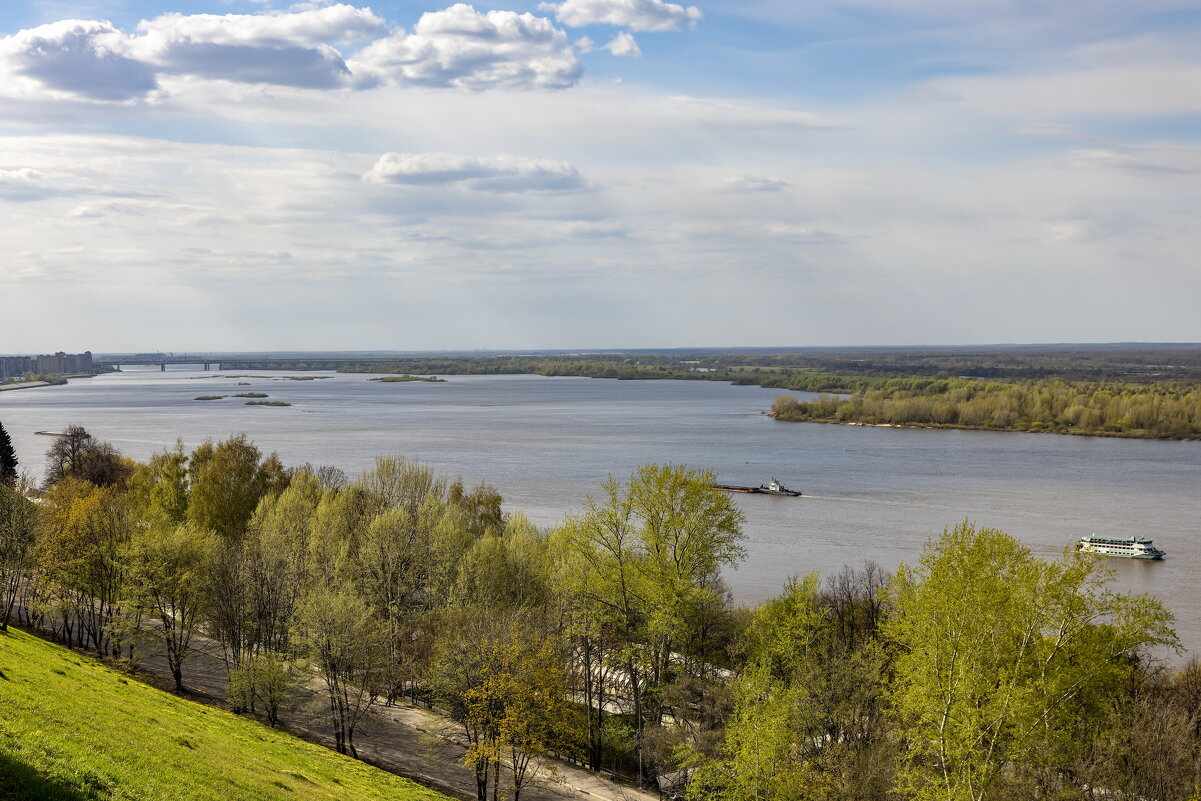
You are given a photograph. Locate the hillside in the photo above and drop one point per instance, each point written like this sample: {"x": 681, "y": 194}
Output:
{"x": 72, "y": 729}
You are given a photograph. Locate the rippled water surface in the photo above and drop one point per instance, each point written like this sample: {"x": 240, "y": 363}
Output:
{"x": 547, "y": 443}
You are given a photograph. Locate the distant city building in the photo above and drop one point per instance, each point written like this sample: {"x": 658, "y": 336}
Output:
{"x": 59, "y": 363}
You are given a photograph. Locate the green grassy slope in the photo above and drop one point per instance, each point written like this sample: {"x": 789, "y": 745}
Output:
{"x": 73, "y": 729}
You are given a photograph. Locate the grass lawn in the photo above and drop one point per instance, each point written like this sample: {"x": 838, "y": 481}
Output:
{"x": 71, "y": 728}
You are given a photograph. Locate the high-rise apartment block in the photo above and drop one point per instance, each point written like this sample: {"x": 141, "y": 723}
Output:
{"x": 58, "y": 363}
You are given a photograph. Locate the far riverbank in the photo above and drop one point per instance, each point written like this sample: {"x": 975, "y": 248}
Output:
{"x": 955, "y": 427}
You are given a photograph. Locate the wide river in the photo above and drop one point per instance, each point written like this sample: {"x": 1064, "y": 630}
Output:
{"x": 547, "y": 443}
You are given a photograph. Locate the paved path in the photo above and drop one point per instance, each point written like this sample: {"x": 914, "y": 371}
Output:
{"x": 408, "y": 740}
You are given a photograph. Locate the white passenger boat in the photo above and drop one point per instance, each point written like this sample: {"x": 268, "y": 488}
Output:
{"x": 1129, "y": 547}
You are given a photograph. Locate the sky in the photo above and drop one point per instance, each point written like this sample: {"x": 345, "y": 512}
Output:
{"x": 259, "y": 175}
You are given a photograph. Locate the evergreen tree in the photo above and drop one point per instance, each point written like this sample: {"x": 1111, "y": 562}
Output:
{"x": 8, "y": 460}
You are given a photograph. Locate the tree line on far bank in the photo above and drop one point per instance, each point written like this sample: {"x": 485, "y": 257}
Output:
{"x": 981, "y": 672}
{"x": 1035, "y": 393}
{"x": 1164, "y": 411}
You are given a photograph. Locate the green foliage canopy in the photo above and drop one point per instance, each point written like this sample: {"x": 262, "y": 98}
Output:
{"x": 1003, "y": 657}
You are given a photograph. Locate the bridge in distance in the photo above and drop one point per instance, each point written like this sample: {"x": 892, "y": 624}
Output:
{"x": 227, "y": 361}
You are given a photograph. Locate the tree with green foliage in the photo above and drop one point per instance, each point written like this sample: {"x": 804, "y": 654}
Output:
{"x": 481, "y": 508}
{"x": 808, "y": 703}
{"x": 226, "y": 482}
{"x": 80, "y": 552}
{"x": 587, "y": 628}
{"x": 503, "y": 677}
{"x": 1164, "y": 410}
{"x": 273, "y": 564}
{"x": 8, "y": 460}
{"x": 18, "y": 521}
{"x": 402, "y": 503}
{"x": 651, "y": 555}
{"x": 168, "y": 581}
{"x": 765, "y": 755}
{"x": 346, "y": 646}
{"x": 521, "y": 708}
{"x": 264, "y": 683}
{"x": 159, "y": 488}
{"x": 1003, "y": 659}
{"x": 1151, "y": 746}
{"x": 505, "y": 569}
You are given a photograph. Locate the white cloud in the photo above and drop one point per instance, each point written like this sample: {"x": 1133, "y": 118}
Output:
{"x": 74, "y": 58}
{"x": 753, "y": 183}
{"x": 463, "y": 48}
{"x": 593, "y": 229}
{"x": 457, "y": 47}
{"x": 1155, "y": 163}
{"x": 289, "y": 49}
{"x": 22, "y": 176}
{"x": 496, "y": 174}
{"x": 93, "y": 60}
{"x": 337, "y": 23}
{"x": 638, "y": 15}
{"x": 23, "y": 184}
{"x": 623, "y": 44}
{"x": 584, "y": 45}
{"x": 859, "y": 239}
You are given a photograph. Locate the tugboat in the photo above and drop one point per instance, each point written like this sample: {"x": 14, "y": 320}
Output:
{"x": 1129, "y": 547}
{"x": 772, "y": 487}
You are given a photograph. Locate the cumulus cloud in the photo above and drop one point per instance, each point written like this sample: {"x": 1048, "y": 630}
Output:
{"x": 457, "y": 47}
{"x": 753, "y": 183}
{"x": 638, "y": 15}
{"x": 75, "y": 58}
{"x": 463, "y": 48}
{"x": 290, "y": 49}
{"x": 92, "y": 60}
{"x": 623, "y": 44}
{"x": 336, "y": 23}
{"x": 496, "y": 174}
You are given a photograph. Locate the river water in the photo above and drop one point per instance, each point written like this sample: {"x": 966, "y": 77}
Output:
{"x": 547, "y": 443}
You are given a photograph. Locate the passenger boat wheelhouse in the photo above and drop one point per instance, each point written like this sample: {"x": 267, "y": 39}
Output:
{"x": 1129, "y": 547}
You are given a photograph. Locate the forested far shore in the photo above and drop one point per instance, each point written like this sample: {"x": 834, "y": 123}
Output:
{"x": 981, "y": 672}
{"x": 803, "y": 369}
{"x": 1155, "y": 411}
{"x": 1137, "y": 393}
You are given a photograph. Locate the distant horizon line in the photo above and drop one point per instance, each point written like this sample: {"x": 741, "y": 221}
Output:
{"x": 507, "y": 351}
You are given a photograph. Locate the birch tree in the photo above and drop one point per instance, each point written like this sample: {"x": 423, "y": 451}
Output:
{"x": 168, "y": 582}
{"x": 1001, "y": 656}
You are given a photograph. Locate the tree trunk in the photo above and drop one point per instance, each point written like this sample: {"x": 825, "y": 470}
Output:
{"x": 481, "y": 781}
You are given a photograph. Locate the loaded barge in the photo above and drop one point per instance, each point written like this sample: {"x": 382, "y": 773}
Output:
{"x": 772, "y": 487}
